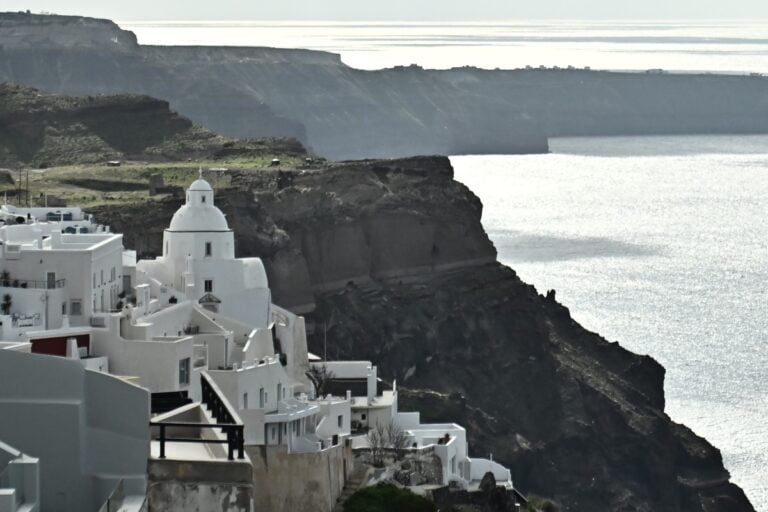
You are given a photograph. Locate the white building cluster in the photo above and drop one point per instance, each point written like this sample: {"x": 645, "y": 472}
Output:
{"x": 90, "y": 337}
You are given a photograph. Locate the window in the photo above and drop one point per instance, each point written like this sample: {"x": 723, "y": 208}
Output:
{"x": 112, "y": 275}
{"x": 63, "y": 308}
{"x": 94, "y": 279}
{"x": 76, "y": 307}
{"x": 208, "y": 285}
{"x": 203, "y": 198}
{"x": 279, "y": 390}
{"x": 208, "y": 248}
{"x": 340, "y": 421}
{"x": 245, "y": 400}
{"x": 184, "y": 372}
{"x": 261, "y": 398}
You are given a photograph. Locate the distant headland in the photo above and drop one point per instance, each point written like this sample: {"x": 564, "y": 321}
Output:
{"x": 340, "y": 112}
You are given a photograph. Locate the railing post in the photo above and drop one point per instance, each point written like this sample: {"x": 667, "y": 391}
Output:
{"x": 162, "y": 441}
{"x": 231, "y": 443}
{"x": 240, "y": 442}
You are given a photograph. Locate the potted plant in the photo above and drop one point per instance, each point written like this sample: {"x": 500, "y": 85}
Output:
{"x": 5, "y": 306}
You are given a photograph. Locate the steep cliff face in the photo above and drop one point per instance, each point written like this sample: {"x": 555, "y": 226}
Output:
{"x": 394, "y": 257}
{"x": 575, "y": 417}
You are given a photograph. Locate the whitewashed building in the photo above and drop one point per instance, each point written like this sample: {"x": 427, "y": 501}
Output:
{"x": 199, "y": 261}
{"x": 196, "y": 318}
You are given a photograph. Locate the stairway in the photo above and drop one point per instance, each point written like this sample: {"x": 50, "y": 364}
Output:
{"x": 354, "y": 483}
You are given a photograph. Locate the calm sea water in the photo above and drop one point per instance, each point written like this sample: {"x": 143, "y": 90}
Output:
{"x": 660, "y": 244}
{"x": 732, "y": 47}
{"x": 657, "y": 242}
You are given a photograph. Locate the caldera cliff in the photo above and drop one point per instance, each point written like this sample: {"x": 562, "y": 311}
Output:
{"x": 342, "y": 112}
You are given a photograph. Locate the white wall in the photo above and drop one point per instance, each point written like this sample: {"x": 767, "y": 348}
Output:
{"x": 291, "y": 331}
{"x": 155, "y": 363}
{"x": 19, "y": 480}
{"x": 51, "y": 402}
{"x": 331, "y": 410}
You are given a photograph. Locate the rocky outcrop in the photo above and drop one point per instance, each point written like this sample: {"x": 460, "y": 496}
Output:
{"x": 45, "y": 130}
{"x": 394, "y": 257}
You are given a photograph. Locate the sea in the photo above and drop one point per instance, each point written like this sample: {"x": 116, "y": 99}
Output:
{"x": 659, "y": 243}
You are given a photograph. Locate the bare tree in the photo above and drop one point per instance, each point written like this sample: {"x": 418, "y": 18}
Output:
{"x": 377, "y": 440}
{"x": 386, "y": 437}
{"x": 397, "y": 438}
{"x": 321, "y": 377}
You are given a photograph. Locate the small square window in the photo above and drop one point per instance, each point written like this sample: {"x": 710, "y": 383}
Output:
{"x": 208, "y": 285}
{"x": 76, "y": 307}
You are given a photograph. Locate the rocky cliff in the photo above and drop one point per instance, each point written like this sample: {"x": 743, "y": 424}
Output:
{"x": 342, "y": 112}
{"x": 393, "y": 260}
{"x": 42, "y": 129}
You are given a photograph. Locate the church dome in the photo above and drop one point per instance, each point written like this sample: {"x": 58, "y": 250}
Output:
{"x": 200, "y": 185}
{"x": 199, "y": 213}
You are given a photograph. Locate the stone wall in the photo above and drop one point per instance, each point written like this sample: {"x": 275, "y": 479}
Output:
{"x": 408, "y": 467}
{"x": 199, "y": 486}
{"x": 292, "y": 482}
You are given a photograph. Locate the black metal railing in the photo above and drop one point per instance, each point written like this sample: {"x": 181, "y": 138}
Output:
{"x": 226, "y": 420}
{"x": 219, "y": 408}
{"x": 234, "y": 432}
{"x": 31, "y": 283}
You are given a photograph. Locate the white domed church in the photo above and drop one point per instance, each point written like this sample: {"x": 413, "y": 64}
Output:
{"x": 199, "y": 261}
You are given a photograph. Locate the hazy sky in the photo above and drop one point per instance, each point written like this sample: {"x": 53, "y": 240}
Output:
{"x": 396, "y": 9}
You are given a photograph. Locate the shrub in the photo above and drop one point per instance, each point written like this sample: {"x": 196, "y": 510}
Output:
{"x": 6, "y": 304}
{"x": 539, "y": 504}
{"x": 387, "y": 498}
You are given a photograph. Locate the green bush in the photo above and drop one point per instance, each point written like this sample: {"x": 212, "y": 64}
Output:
{"x": 387, "y": 498}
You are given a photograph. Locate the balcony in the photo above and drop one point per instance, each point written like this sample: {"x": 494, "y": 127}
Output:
{"x": 27, "y": 283}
